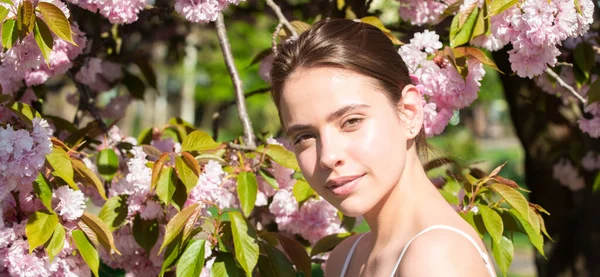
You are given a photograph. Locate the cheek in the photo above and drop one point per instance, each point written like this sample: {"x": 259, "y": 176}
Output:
{"x": 307, "y": 160}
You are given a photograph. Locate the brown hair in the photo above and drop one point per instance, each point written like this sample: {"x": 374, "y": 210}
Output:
{"x": 346, "y": 44}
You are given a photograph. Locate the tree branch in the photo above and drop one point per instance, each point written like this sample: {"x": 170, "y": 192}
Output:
{"x": 563, "y": 84}
{"x": 237, "y": 83}
{"x": 282, "y": 18}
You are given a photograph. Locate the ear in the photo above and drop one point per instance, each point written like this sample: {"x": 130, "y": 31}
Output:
{"x": 411, "y": 107}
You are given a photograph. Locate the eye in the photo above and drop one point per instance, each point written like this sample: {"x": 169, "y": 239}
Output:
{"x": 302, "y": 137}
{"x": 352, "y": 122}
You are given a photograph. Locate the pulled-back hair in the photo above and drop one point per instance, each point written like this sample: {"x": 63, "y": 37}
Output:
{"x": 345, "y": 44}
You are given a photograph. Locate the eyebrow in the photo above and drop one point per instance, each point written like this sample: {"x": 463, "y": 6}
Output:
{"x": 330, "y": 117}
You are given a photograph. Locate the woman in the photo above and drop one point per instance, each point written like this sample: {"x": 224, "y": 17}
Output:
{"x": 346, "y": 101}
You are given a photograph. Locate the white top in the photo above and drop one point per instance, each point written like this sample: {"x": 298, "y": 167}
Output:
{"x": 484, "y": 256}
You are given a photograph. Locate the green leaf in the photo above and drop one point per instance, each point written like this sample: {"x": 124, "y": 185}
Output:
{"x": 61, "y": 163}
{"x": 480, "y": 27}
{"x": 87, "y": 250}
{"x": 536, "y": 238}
{"x": 25, "y": 18}
{"x": 503, "y": 251}
{"x": 375, "y": 21}
{"x": 166, "y": 185}
{"x": 87, "y": 177}
{"x": 43, "y": 191}
{"x": 39, "y": 228}
{"x": 297, "y": 253}
{"x": 280, "y": 155}
{"x": 327, "y": 243}
{"x": 274, "y": 263}
{"x": 172, "y": 253}
{"x": 225, "y": 266}
{"x": 157, "y": 169}
{"x": 9, "y": 2}
{"x": 594, "y": 92}
{"x": 146, "y": 68}
{"x": 493, "y": 222}
{"x": 188, "y": 170}
{"x": 513, "y": 198}
{"x": 476, "y": 221}
{"x": 268, "y": 177}
{"x": 498, "y": 6}
{"x": 449, "y": 197}
{"x": 585, "y": 58}
{"x": 134, "y": 85}
{"x": 10, "y": 34}
{"x": 460, "y": 35}
{"x": 57, "y": 242}
{"x": 145, "y": 232}
{"x": 114, "y": 212}
{"x": 596, "y": 186}
{"x": 176, "y": 224}
{"x": 199, "y": 141}
{"x": 57, "y": 21}
{"x": 191, "y": 262}
{"x": 108, "y": 164}
{"x": 145, "y": 136}
{"x": 100, "y": 229}
{"x": 180, "y": 195}
{"x": 247, "y": 191}
{"x": 43, "y": 38}
{"x": 475, "y": 53}
{"x": 302, "y": 191}
{"x": 244, "y": 241}
{"x": 24, "y": 112}
{"x": 3, "y": 13}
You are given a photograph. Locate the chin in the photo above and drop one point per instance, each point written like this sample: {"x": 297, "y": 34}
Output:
{"x": 352, "y": 208}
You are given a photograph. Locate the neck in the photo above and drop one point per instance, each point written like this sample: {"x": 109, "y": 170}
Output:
{"x": 393, "y": 218}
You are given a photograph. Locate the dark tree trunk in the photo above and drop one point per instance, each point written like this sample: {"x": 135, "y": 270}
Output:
{"x": 548, "y": 132}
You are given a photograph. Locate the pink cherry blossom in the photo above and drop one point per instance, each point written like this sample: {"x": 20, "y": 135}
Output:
{"x": 568, "y": 175}
{"x": 70, "y": 203}
{"x": 202, "y": 10}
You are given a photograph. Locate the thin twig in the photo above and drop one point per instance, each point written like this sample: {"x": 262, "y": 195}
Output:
{"x": 564, "y": 64}
{"x": 562, "y": 83}
{"x": 241, "y": 147}
{"x": 282, "y": 18}
{"x": 237, "y": 82}
{"x": 274, "y": 38}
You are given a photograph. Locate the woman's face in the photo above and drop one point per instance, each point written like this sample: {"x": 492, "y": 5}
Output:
{"x": 350, "y": 142}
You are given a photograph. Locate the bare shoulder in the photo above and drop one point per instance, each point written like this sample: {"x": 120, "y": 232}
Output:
{"x": 338, "y": 255}
{"x": 441, "y": 252}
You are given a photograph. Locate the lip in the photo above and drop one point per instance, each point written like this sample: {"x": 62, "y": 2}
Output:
{"x": 343, "y": 185}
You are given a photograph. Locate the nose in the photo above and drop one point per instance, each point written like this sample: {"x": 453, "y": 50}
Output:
{"x": 330, "y": 152}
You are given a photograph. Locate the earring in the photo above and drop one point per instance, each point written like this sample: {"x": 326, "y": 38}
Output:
{"x": 412, "y": 131}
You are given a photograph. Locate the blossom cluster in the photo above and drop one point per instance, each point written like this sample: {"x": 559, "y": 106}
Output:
{"x": 117, "y": 11}
{"x": 202, "y": 11}
{"x": 534, "y": 28}
{"x": 567, "y": 175}
{"x": 22, "y": 155}
{"x": 443, "y": 87}
{"x": 15, "y": 259}
{"x": 23, "y": 64}
{"x": 591, "y": 161}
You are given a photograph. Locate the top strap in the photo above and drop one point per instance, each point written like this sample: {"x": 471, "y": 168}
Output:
{"x": 349, "y": 257}
{"x": 484, "y": 256}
